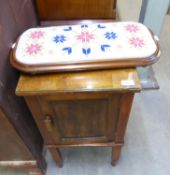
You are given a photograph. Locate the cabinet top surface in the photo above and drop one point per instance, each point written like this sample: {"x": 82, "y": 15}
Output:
{"x": 105, "y": 80}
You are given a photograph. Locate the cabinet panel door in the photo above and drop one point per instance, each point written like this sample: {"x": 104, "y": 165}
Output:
{"x": 75, "y": 9}
{"x": 80, "y": 118}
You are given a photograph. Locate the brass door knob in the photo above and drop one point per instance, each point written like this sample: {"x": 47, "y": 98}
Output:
{"x": 48, "y": 123}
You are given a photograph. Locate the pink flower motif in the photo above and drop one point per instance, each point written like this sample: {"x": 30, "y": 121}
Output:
{"x": 33, "y": 49}
{"x": 136, "y": 42}
{"x": 132, "y": 28}
{"x": 85, "y": 37}
{"x": 37, "y": 34}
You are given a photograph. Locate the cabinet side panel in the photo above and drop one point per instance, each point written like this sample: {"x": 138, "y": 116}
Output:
{"x": 12, "y": 147}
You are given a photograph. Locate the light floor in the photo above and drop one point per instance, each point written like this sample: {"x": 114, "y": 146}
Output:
{"x": 147, "y": 140}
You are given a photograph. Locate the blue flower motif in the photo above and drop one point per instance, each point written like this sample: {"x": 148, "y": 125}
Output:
{"x": 100, "y": 26}
{"x": 84, "y": 26}
{"x": 86, "y": 51}
{"x": 59, "y": 38}
{"x": 68, "y": 50}
{"x": 68, "y": 29}
{"x": 110, "y": 35}
{"x": 104, "y": 46}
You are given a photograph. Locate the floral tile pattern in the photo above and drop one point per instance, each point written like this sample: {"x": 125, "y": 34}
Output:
{"x": 86, "y": 42}
{"x": 85, "y": 37}
{"x": 136, "y": 42}
{"x": 132, "y": 28}
{"x": 59, "y": 38}
{"x": 33, "y": 49}
{"x": 37, "y": 34}
{"x": 110, "y": 35}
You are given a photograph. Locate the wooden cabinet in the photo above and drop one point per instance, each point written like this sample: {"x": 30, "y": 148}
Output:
{"x": 21, "y": 144}
{"x": 81, "y": 109}
{"x": 14, "y": 151}
{"x": 76, "y": 9}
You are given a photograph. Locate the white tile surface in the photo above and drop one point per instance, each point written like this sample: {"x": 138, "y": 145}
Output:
{"x": 76, "y": 43}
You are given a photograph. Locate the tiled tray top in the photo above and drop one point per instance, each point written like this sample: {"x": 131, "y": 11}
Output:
{"x": 86, "y": 46}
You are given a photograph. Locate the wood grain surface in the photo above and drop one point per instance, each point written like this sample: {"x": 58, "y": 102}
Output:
{"x": 76, "y": 9}
{"x": 79, "y": 81}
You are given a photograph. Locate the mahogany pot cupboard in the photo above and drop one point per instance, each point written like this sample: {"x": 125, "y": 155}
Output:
{"x": 81, "y": 109}
{"x": 70, "y": 109}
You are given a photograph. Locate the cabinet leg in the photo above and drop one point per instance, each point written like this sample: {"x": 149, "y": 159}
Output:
{"x": 57, "y": 156}
{"x": 115, "y": 154}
